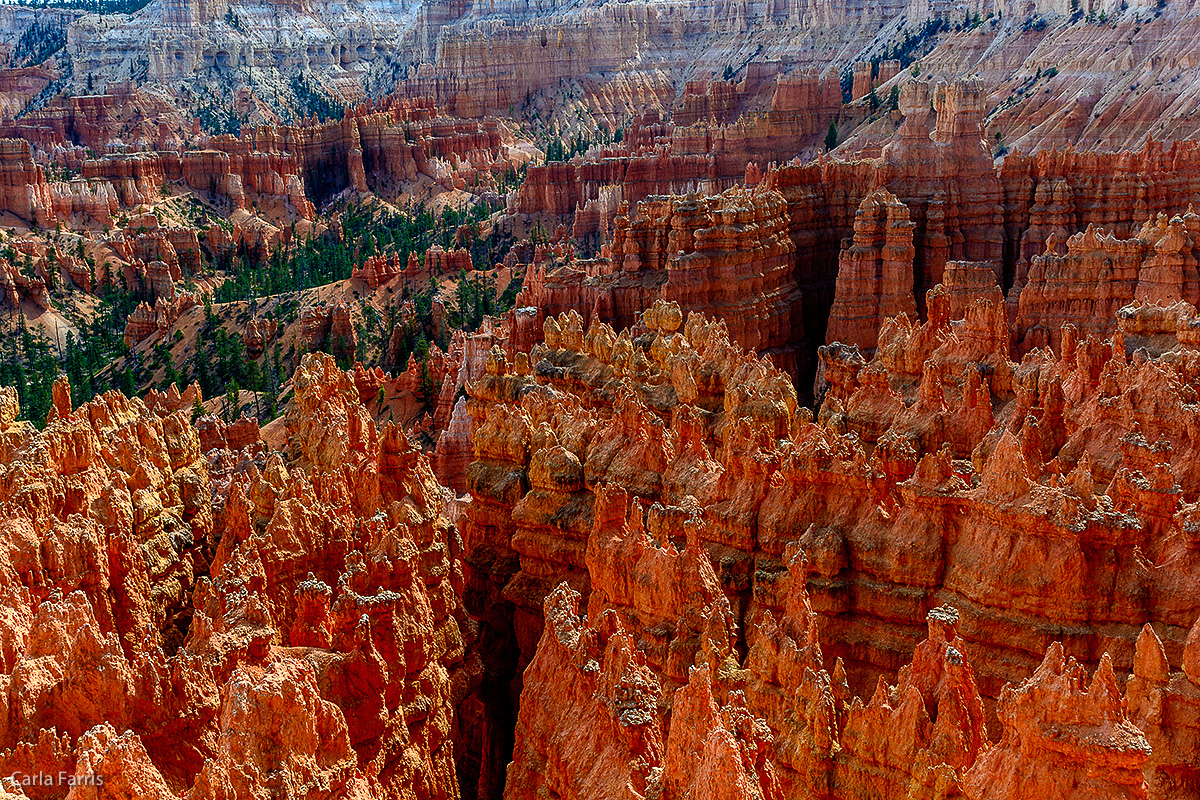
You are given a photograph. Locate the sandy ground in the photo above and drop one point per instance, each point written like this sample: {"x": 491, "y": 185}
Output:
{"x": 49, "y": 323}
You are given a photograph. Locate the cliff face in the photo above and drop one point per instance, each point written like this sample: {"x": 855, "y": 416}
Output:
{"x": 750, "y": 571}
{"x": 252, "y": 622}
{"x": 592, "y": 69}
{"x": 1038, "y": 62}
{"x": 608, "y": 60}
{"x": 25, "y": 191}
{"x": 949, "y": 206}
{"x": 852, "y": 269}
{"x": 874, "y": 273}
{"x": 729, "y": 255}
{"x": 701, "y": 148}
{"x": 278, "y": 174}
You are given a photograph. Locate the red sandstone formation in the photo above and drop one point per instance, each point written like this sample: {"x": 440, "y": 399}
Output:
{"x": 695, "y": 153}
{"x": 944, "y": 177}
{"x": 728, "y": 255}
{"x": 441, "y": 262}
{"x": 229, "y": 623}
{"x": 755, "y": 560}
{"x": 216, "y": 435}
{"x": 258, "y": 334}
{"x": 16, "y": 285}
{"x": 705, "y": 100}
{"x": 276, "y": 174}
{"x": 94, "y": 120}
{"x": 1071, "y": 189}
{"x": 314, "y": 327}
{"x": 867, "y": 76}
{"x": 452, "y": 453}
{"x": 972, "y": 574}
{"x": 962, "y": 209}
{"x": 378, "y": 270}
{"x": 1099, "y": 274}
{"x": 875, "y": 273}
{"x": 231, "y": 171}
{"x": 1060, "y": 729}
{"x": 146, "y": 320}
{"x": 328, "y": 325}
{"x": 23, "y": 187}
{"x": 343, "y": 338}
{"x": 161, "y": 403}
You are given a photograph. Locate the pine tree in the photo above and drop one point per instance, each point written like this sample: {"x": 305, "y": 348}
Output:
{"x": 426, "y": 388}
{"x": 831, "y": 138}
{"x": 231, "y": 403}
{"x": 128, "y": 383}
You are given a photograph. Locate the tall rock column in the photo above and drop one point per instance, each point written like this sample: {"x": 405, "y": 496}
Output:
{"x": 875, "y": 272}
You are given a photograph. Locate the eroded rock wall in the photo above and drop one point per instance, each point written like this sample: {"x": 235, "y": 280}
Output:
{"x": 953, "y": 522}
{"x": 231, "y": 622}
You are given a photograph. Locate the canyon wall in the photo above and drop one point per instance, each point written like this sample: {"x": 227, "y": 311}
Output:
{"x": 729, "y": 254}
{"x": 940, "y": 173}
{"x": 267, "y": 182}
{"x": 959, "y": 206}
{"x": 912, "y": 545}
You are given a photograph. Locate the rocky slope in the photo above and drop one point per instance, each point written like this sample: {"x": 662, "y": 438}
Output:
{"x": 1103, "y": 74}
{"x": 607, "y": 59}
{"x": 1098, "y": 75}
{"x": 982, "y": 575}
{"x": 233, "y": 622}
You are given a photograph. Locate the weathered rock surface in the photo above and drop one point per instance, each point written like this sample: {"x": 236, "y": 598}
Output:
{"x": 783, "y": 566}
{"x": 229, "y": 623}
{"x": 874, "y": 274}
{"x": 268, "y": 179}
{"x": 1027, "y": 220}
{"x": 685, "y": 585}
{"x": 728, "y": 255}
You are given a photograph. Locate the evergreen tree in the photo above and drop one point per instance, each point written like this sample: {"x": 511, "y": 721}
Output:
{"x": 128, "y": 384}
{"x": 426, "y": 388}
{"x": 831, "y": 137}
{"x": 231, "y": 403}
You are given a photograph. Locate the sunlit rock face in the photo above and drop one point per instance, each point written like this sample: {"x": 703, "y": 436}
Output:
{"x": 230, "y": 622}
{"x": 851, "y": 603}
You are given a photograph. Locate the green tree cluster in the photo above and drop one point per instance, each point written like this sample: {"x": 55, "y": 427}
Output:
{"x": 556, "y": 150}
{"x": 365, "y": 232}
{"x": 39, "y": 41}
{"x": 476, "y": 298}
{"x": 310, "y": 99}
{"x": 28, "y": 363}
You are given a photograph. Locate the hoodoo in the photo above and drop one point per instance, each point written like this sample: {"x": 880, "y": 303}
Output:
{"x": 672, "y": 400}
